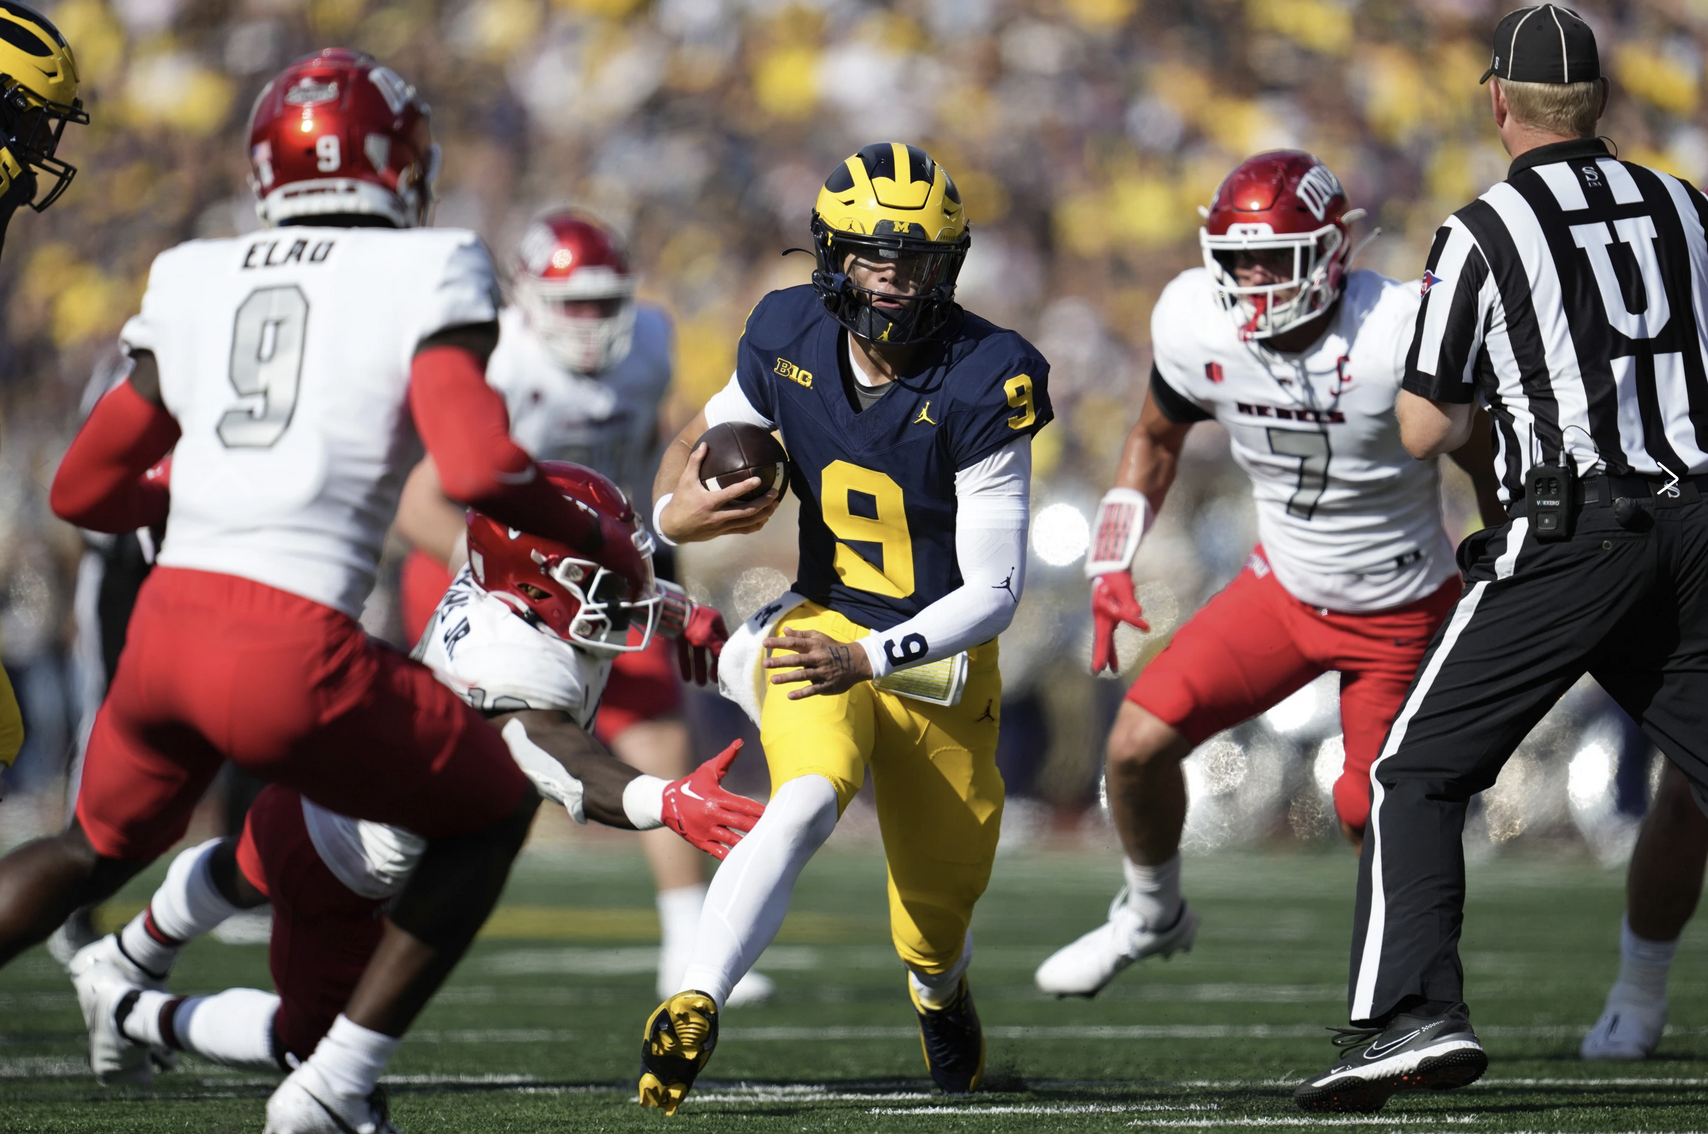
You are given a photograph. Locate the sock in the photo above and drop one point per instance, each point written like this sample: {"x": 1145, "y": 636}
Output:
{"x": 937, "y": 990}
{"x": 749, "y": 894}
{"x": 1153, "y": 892}
{"x": 234, "y": 1027}
{"x": 187, "y": 905}
{"x": 142, "y": 1022}
{"x": 1644, "y": 964}
{"x": 351, "y": 1058}
{"x": 679, "y": 923}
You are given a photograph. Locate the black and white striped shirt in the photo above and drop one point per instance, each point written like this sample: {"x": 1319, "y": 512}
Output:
{"x": 1572, "y": 299}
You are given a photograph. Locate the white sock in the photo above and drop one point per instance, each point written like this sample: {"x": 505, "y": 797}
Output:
{"x": 679, "y": 923}
{"x": 186, "y": 906}
{"x": 142, "y": 1024}
{"x": 234, "y": 1027}
{"x": 1153, "y": 892}
{"x": 937, "y": 990}
{"x": 351, "y": 1058}
{"x": 1644, "y": 964}
{"x": 749, "y": 894}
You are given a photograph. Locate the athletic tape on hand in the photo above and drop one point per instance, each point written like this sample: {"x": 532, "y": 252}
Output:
{"x": 1123, "y": 518}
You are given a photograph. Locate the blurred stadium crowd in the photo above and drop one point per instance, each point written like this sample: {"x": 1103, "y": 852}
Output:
{"x": 1083, "y": 135}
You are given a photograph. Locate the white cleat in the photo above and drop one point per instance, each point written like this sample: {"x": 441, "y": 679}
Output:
{"x": 104, "y": 976}
{"x": 754, "y": 988}
{"x": 1084, "y": 967}
{"x": 306, "y": 1104}
{"x": 1629, "y": 1029}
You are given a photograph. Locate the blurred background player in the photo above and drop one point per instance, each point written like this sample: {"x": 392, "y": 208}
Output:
{"x": 285, "y": 368}
{"x": 38, "y": 99}
{"x": 526, "y": 634}
{"x": 1299, "y": 359}
{"x": 909, "y": 425}
{"x": 585, "y": 371}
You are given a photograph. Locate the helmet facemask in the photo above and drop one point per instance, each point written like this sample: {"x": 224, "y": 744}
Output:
{"x": 1317, "y": 262}
{"x": 934, "y": 266}
{"x": 606, "y": 606}
{"x": 582, "y": 340}
{"x": 30, "y": 130}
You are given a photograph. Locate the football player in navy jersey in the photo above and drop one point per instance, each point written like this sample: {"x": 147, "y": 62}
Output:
{"x": 908, "y": 423}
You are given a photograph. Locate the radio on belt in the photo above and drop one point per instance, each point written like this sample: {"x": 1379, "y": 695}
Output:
{"x": 1549, "y": 493}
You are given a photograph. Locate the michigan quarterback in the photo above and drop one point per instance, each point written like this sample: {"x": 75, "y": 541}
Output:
{"x": 908, "y": 423}
{"x": 38, "y": 99}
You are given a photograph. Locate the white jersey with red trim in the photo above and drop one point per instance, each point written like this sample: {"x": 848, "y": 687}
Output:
{"x": 1348, "y": 520}
{"x": 285, "y": 358}
{"x": 496, "y": 661}
{"x": 607, "y": 421}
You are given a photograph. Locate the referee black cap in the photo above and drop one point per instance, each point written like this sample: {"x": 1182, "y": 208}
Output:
{"x": 1544, "y": 44}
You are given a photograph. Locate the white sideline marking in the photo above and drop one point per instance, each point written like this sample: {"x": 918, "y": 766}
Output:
{"x": 1042, "y": 1108}
{"x": 1394, "y": 1120}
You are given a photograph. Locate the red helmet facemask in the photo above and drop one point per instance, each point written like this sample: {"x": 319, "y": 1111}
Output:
{"x": 1287, "y": 211}
{"x": 593, "y": 599}
{"x": 338, "y": 134}
{"x": 573, "y": 282}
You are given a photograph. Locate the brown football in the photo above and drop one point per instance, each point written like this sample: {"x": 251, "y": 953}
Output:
{"x": 736, "y": 451}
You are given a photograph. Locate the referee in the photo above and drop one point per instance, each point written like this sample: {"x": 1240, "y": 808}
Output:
{"x": 1572, "y": 301}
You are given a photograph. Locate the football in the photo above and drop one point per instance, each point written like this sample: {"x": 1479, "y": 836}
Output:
{"x": 736, "y": 451}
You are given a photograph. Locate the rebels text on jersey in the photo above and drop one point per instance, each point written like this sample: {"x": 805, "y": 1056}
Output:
{"x": 493, "y": 659}
{"x": 1348, "y": 520}
{"x": 607, "y": 421}
{"x": 877, "y": 488}
{"x": 285, "y": 358}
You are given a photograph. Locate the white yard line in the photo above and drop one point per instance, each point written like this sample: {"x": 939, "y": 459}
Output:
{"x": 1044, "y": 1108}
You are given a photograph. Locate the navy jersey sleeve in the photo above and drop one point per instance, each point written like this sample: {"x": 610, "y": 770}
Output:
{"x": 1012, "y": 400}
{"x": 750, "y": 369}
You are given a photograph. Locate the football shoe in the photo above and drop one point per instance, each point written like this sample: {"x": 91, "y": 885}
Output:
{"x": 1630, "y": 1026}
{"x": 105, "y": 980}
{"x": 1085, "y": 966}
{"x": 1414, "y": 1053}
{"x": 305, "y": 1103}
{"x": 680, "y": 1036}
{"x": 953, "y": 1041}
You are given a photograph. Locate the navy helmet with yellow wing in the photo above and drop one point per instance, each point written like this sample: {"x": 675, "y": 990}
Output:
{"x": 890, "y": 201}
{"x": 38, "y": 98}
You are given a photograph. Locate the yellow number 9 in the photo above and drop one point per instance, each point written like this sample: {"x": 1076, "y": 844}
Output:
{"x": 1019, "y": 389}
{"x": 887, "y": 528}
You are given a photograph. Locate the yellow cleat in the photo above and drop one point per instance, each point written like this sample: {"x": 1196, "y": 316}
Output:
{"x": 679, "y": 1038}
{"x": 953, "y": 1041}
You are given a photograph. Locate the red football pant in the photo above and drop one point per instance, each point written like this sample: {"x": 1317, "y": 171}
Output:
{"x": 217, "y": 668}
{"x": 1253, "y": 644}
{"x": 323, "y": 932}
{"x": 643, "y": 685}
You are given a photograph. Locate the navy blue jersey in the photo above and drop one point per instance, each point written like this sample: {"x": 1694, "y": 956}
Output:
{"x": 877, "y": 488}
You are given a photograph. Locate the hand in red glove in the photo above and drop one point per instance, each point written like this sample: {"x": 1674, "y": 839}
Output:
{"x": 699, "y": 644}
{"x": 701, "y": 811}
{"x": 1112, "y": 603}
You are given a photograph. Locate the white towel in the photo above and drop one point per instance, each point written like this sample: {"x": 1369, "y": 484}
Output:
{"x": 740, "y": 677}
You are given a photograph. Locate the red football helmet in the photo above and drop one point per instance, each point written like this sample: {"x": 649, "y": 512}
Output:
{"x": 588, "y": 598}
{"x": 1289, "y": 205}
{"x": 338, "y": 133}
{"x": 572, "y": 281}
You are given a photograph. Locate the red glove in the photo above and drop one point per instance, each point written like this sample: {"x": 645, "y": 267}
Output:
{"x": 701, "y": 811}
{"x": 1112, "y": 603}
{"x": 699, "y": 644}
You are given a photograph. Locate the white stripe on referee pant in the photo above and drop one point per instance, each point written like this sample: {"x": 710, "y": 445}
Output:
{"x": 1364, "y": 995}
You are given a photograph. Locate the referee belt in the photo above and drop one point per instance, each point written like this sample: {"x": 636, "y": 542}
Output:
{"x": 1601, "y": 490}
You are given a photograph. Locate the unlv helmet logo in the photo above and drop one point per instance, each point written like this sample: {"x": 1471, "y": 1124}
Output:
{"x": 1317, "y": 188}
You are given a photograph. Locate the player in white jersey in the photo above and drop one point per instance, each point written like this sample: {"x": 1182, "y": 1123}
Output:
{"x": 526, "y": 635}
{"x": 584, "y": 369}
{"x": 1299, "y": 359}
{"x": 292, "y": 370}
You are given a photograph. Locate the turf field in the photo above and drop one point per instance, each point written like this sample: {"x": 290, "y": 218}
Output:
{"x": 539, "y": 1029}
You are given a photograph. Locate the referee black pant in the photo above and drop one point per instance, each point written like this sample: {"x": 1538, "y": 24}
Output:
{"x": 1626, "y": 602}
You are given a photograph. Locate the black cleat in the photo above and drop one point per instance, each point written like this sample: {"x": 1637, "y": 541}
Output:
{"x": 679, "y": 1038}
{"x": 1413, "y": 1053}
{"x": 953, "y": 1041}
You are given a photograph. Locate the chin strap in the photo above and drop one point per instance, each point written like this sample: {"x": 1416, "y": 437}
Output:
{"x": 1123, "y": 518}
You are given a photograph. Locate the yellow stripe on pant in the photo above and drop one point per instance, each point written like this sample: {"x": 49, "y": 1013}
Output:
{"x": 939, "y": 795}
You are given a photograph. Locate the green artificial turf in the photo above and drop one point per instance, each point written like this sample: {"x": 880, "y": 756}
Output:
{"x": 539, "y": 1029}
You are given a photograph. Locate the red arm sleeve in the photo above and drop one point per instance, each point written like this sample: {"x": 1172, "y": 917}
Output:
{"x": 463, "y": 423}
{"x": 103, "y": 482}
